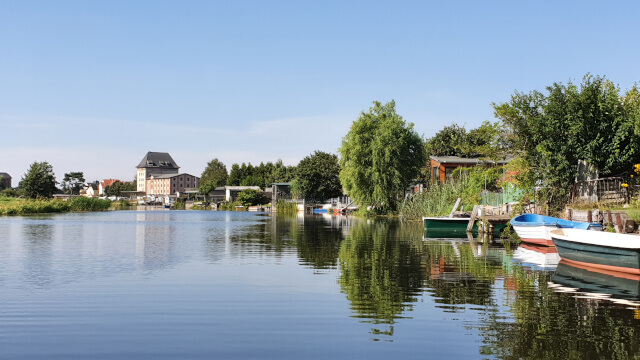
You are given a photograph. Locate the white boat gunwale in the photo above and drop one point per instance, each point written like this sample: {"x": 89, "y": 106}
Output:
{"x": 600, "y": 238}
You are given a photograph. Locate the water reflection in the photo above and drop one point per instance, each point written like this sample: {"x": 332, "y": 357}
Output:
{"x": 392, "y": 284}
{"x": 381, "y": 273}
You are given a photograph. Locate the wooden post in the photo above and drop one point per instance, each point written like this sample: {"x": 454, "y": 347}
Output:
{"x": 455, "y": 207}
{"x": 472, "y": 219}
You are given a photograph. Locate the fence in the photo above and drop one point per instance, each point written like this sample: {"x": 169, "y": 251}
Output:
{"x": 601, "y": 190}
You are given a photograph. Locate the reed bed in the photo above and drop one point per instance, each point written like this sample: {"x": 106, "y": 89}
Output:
{"x": 437, "y": 201}
{"x": 40, "y": 206}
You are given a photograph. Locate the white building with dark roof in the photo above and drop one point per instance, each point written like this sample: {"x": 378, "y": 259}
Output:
{"x": 154, "y": 163}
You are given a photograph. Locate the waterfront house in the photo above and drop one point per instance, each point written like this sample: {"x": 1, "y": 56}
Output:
{"x": 106, "y": 182}
{"x": 154, "y": 163}
{"x": 170, "y": 184}
{"x": 442, "y": 167}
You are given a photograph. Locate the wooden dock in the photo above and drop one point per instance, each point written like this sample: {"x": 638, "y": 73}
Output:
{"x": 487, "y": 218}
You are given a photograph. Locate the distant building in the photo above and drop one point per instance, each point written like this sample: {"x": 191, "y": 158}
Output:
{"x": 90, "y": 189}
{"x": 105, "y": 183}
{"x": 442, "y": 167}
{"x": 157, "y": 164}
{"x": 5, "y": 181}
{"x": 170, "y": 184}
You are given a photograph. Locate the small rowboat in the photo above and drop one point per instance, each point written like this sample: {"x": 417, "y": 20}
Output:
{"x": 534, "y": 229}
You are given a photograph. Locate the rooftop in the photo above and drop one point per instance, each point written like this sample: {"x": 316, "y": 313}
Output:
{"x": 157, "y": 160}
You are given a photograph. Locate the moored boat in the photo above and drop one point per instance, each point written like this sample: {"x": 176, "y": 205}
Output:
{"x": 454, "y": 227}
{"x": 534, "y": 229}
{"x": 604, "y": 251}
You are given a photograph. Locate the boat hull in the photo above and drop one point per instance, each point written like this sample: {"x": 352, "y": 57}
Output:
{"x": 534, "y": 229}
{"x": 453, "y": 228}
{"x": 537, "y": 235}
{"x": 578, "y": 248}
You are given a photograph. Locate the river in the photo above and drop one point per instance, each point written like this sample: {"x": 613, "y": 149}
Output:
{"x": 238, "y": 285}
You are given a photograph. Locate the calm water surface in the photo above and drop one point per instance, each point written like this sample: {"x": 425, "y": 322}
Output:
{"x": 236, "y": 285}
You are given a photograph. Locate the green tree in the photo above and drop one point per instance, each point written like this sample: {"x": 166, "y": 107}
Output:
{"x": 72, "y": 182}
{"x": 39, "y": 181}
{"x": 234, "y": 176}
{"x": 214, "y": 175}
{"x": 319, "y": 176}
{"x": 447, "y": 142}
{"x": 380, "y": 156}
{"x": 552, "y": 131}
{"x": 454, "y": 140}
{"x": 118, "y": 187}
{"x": 251, "y": 197}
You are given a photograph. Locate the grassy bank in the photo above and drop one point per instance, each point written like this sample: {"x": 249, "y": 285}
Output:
{"x": 15, "y": 206}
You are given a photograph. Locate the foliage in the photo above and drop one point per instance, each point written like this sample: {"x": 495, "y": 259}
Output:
{"x": 262, "y": 175}
{"x": 437, "y": 201}
{"x": 251, "y": 197}
{"x": 118, "y": 187}
{"x": 38, "y": 206}
{"x": 552, "y": 131}
{"x": 296, "y": 189}
{"x": 319, "y": 176}
{"x": 214, "y": 175}
{"x": 380, "y": 156}
{"x": 230, "y": 206}
{"x": 72, "y": 182}
{"x": 454, "y": 140}
{"x": 284, "y": 207}
{"x": 39, "y": 181}
{"x": 12, "y": 193}
{"x": 179, "y": 205}
{"x": 82, "y": 203}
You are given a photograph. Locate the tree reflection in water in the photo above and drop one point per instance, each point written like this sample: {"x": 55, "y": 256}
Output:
{"x": 381, "y": 273}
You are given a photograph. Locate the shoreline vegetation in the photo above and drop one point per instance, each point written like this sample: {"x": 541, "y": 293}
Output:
{"x": 19, "y": 206}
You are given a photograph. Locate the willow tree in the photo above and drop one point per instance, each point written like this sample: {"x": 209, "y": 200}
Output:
{"x": 380, "y": 157}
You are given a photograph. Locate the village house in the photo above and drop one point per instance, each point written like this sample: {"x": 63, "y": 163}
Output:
{"x": 106, "y": 182}
{"x": 442, "y": 167}
{"x": 171, "y": 184}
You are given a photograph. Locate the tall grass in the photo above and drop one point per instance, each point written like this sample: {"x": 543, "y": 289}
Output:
{"x": 39, "y": 206}
{"x": 438, "y": 200}
{"x": 283, "y": 207}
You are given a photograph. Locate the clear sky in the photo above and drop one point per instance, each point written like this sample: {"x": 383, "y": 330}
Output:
{"x": 93, "y": 85}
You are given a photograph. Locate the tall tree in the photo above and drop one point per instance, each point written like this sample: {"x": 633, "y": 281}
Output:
{"x": 552, "y": 131}
{"x": 39, "y": 181}
{"x": 72, "y": 182}
{"x": 319, "y": 176}
{"x": 214, "y": 175}
{"x": 380, "y": 156}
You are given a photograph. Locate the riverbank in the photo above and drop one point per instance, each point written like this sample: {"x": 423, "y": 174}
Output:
{"x": 20, "y": 206}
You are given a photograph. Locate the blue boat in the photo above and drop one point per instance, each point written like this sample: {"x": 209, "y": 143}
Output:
{"x": 534, "y": 229}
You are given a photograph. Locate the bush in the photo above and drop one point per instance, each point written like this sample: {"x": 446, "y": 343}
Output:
{"x": 251, "y": 197}
{"x": 88, "y": 204}
{"x": 283, "y": 207}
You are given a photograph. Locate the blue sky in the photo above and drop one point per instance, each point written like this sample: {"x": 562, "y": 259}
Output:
{"x": 92, "y": 86}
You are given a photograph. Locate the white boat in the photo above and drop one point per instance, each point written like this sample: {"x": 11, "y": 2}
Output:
{"x": 603, "y": 251}
{"x": 534, "y": 229}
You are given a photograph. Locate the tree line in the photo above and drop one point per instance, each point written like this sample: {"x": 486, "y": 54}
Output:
{"x": 546, "y": 132}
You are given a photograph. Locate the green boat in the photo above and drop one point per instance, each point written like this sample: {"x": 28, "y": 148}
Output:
{"x": 455, "y": 227}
